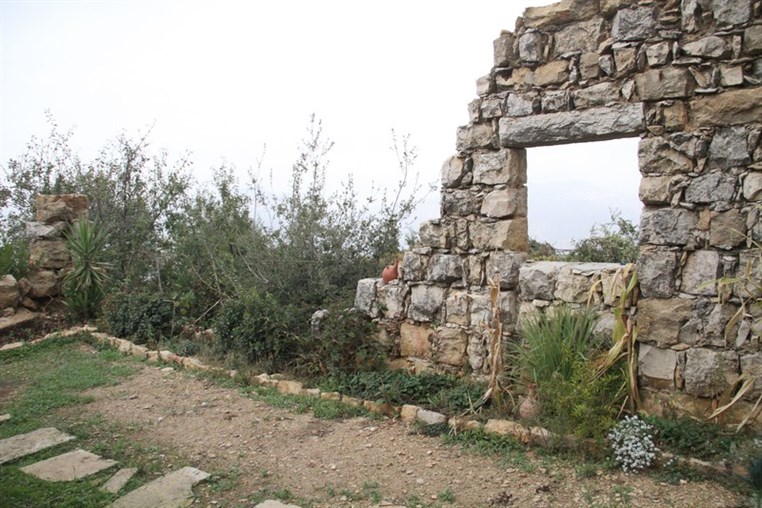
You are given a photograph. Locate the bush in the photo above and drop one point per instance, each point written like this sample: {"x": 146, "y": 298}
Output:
{"x": 685, "y": 436}
{"x": 259, "y": 329}
{"x": 613, "y": 242}
{"x": 556, "y": 356}
{"x": 14, "y": 256}
{"x": 139, "y": 317}
{"x": 344, "y": 342}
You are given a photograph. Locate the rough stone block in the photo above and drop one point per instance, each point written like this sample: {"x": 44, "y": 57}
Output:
{"x": 588, "y": 66}
{"x": 507, "y": 428}
{"x": 560, "y": 13}
{"x": 507, "y": 265}
{"x": 657, "y": 156}
{"x": 9, "y": 292}
{"x": 485, "y": 85}
{"x": 752, "y": 40}
{"x": 532, "y": 47}
{"x": 660, "y": 320}
{"x": 667, "y": 226}
{"x": 700, "y": 273}
{"x": 517, "y": 104}
{"x": 708, "y": 47}
{"x": 475, "y": 270}
{"x": 634, "y": 24}
{"x": 732, "y": 107}
{"x": 580, "y": 37}
{"x": 426, "y": 302}
{"x": 433, "y": 234}
{"x": 508, "y": 235}
{"x": 731, "y": 75}
{"x": 51, "y": 254}
{"x": 596, "y": 95}
{"x": 625, "y": 59}
{"x": 39, "y": 230}
{"x": 656, "y": 366}
{"x": 752, "y": 186}
{"x": 460, "y": 202}
{"x": 657, "y": 268}
{"x": 710, "y": 188}
{"x": 501, "y": 167}
{"x": 59, "y": 208}
{"x": 505, "y": 203}
{"x": 446, "y": 268}
{"x": 732, "y": 12}
{"x": 415, "y": 340}
{"x": 553, "y": 73}
{"x": 392, "y": 298}
{"x": 655, "y": 190}
{"x": 537, "y": 280}
{"x": 491, "y": 107}
{"x": 365, "y": 297}
{"x": 664, "y": 83}
{"x": 555, "y": 101}
{"x": 727, "y": 230}
{"x": 473, "y": 136}
{"x": 453, "y": 171}
{"x": 457, "y": 308}
{"x": 413, "y": 267}
{"x": 707, "y": 373}
{"x": 42, "y": 284}
{"x": 729, "y": 148}
{"x": 430, "y": 417}
{"x": 504, "y": 50}
{"x": 593, "y": 124}
{"x": 451, "y": 344}
{"x": 572, "y": 286}
{"x": 658, "y": 54}
{"x": 752, "y": 366}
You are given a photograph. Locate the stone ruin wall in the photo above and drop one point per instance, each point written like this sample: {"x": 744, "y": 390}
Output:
{"x": 48, "y": 258}
{"x": 684, "y": 77}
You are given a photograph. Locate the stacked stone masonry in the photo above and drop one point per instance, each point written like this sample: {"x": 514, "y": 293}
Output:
{"x": 48, "y": 255}
{"x": 682, "y": 75}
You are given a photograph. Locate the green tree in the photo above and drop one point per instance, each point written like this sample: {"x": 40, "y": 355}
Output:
{"x": 613, "y": 242}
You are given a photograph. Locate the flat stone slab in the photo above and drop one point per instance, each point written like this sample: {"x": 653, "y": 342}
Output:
{"x": 68, "y": 466}
{"x": 22, "y": 445}
{"x": 119, "y": 480}
{"x": 12, "y": 345}
{"x": 5, "y": 418}
{"x": 173, "y": 490}
{"x": 275, "y": 504}
{"x": 20, "y": 318}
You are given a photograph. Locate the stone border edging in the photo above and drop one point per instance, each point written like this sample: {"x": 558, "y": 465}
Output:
{"x": 408, "y": 414}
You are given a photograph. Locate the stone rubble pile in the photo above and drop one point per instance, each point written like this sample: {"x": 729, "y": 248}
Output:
{"x": 684, "y": 77}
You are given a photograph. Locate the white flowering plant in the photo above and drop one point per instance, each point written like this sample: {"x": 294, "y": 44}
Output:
{"x": 632, "y": 443}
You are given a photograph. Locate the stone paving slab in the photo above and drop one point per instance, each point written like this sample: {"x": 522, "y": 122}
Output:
{"x": 5, "y": 418}
{"x": 69, "y": 466}
{"x": 275, "y": 504}
{"x": 173, "y": 490}
{"x": 22, "y": 445}
{"x": 119, "y": 480}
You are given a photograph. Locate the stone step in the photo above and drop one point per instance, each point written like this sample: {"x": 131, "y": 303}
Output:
{"x": 173, "y": 490}
{"x": 119, "y": 480}
{"x": 22, "y": 445}
{"x": 69, "y": 466}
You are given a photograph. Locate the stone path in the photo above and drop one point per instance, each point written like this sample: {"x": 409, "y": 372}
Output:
{"x": 173, "y": 490}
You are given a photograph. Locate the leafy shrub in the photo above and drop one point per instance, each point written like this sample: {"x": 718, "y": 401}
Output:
{"x": 632, "y": 442}
{"x": 613, "y": 242}
{"x": 556, "y": 356}
{"x": 344, "y": 342}
{"x": 434, "y": 391}
{"x": 139, "y": 316}
{"x": 14, "y": 256}
{"x": 685, "y": 436}
{"x": 259, "y": 329}
{"x": 187, "y": 348}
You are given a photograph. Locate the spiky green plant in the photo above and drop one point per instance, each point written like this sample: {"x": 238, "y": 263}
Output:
{"x": 84, "y": 286}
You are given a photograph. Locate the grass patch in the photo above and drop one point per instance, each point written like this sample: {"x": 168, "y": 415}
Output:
{"x": 321, "y": 408}
{"x": 24, "y": 490}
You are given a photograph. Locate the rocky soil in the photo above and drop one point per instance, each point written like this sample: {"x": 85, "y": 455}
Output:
{"x": 255, "y": 448}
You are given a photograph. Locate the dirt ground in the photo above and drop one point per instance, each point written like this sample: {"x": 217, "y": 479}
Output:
{"x": 258, "y": 448}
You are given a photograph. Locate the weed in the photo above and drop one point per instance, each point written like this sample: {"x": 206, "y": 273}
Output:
{"x": 447, "y": 496}
{"x": 685, "y": 436}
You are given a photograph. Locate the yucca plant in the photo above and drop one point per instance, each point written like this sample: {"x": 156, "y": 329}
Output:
{"x": 84, "y": 286}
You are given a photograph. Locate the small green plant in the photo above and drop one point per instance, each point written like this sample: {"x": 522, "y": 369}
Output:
{"x": 187, "y": 348}
{"x": 755, "y": 480}
{"x": 139, "y": 317}
{"x": 447, "y": 496}
{"x": 84, "y": 286}
{"x": 632, "y": 443}
{"x": 688, "y": 437}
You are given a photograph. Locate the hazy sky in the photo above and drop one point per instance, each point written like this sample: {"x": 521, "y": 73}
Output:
{"x": 222, "y": 79}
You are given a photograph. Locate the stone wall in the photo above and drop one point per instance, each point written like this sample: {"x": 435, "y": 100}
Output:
{"x": 48, "y": 255}
{"x": 684, "y": 77}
